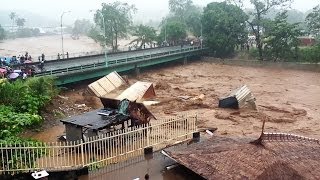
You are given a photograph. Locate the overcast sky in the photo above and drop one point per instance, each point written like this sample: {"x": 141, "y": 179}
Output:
{"x": 147, "y": 9}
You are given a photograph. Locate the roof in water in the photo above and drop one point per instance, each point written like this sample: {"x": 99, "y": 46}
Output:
{"x": 138, "y": 91}
{"x": 107, "y": 84}
{"x": 227, "y": 158}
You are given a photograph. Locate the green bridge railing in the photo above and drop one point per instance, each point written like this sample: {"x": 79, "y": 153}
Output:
{"x": 117, "y": 62}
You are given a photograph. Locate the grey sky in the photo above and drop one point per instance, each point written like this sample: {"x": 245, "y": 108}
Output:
{"x": 147, "y": 9}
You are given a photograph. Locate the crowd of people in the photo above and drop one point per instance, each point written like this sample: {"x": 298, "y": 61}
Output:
{"x": 21, "y": 66}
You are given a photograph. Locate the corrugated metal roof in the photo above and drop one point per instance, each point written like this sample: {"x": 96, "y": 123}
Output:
{"x": 138, "y": 91}
{"x": 107, "y": 84}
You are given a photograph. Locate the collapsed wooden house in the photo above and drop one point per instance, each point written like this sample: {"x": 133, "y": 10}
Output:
{"x": 115, "y": 115}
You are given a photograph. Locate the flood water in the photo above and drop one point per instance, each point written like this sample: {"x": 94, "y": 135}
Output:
{"x": 154, "y": 165}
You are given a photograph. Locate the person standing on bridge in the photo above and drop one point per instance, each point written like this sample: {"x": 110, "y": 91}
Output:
{"x": 67, "y": 55}
{"x": 58, "y": 56}
{"x": 43, "y": 57}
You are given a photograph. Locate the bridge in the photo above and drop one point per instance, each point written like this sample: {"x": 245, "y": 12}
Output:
{"x": 89, "y": 67}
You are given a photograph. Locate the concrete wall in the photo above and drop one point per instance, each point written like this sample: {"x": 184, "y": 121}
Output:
{"x": 270, "y": 64}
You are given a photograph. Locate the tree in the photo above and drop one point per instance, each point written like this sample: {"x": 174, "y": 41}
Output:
{"x": 223, "y": 27}
{"x": 261, "y": 8}
{"x": 145, "y": 35}
{"x": 81, "y": 27}
{"x": 2, "y": 33}
{"x": 20, "y": 22}
{"x": 12, "y": 16}
{"x": 117, "y": 18}
{"x": 180, "y": 8}
{"x": 282, "y": 38}
{"x": 186, "y": 12}
{"x": 173, "y": 31}
{"x": 313, "y": 21}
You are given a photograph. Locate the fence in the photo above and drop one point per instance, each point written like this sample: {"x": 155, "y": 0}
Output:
{"x": 98, "y": 151}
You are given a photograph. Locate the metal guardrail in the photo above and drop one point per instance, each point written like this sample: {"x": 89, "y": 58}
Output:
{"x": 117, "y": 62}
{"x": 96, "y": 151}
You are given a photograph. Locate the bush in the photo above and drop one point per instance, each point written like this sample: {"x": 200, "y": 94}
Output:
{"x": 12, "y": 123}
{"x": 28, "y": 96}
{"x": 310, "y": 54}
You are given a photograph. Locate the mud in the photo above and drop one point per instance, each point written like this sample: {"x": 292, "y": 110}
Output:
{"x": 287, "y": 99}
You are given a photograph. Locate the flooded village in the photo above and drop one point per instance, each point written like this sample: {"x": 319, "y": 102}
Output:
{"x": 209, "y": 90}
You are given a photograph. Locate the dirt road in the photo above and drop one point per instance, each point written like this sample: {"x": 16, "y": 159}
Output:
{"x": 288, "y": 100}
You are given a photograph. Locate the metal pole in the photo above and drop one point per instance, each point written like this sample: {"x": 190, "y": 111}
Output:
{"x": 201, "y": 36}
{"x": 105, "y": 40}
{"x": 62, "y": 33}
{"x": 165, "y": 33}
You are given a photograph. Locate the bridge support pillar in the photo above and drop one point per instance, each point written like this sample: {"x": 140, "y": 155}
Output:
{"x": 185, "y": 60}
{"x": 137, "y": 70}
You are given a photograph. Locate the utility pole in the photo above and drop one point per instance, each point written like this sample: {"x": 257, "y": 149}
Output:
{"x": 62, "y": 32}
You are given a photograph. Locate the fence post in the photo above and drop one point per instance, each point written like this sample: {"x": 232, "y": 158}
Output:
{"x": 82, "y": 153}
{"x": 149, "y": 148}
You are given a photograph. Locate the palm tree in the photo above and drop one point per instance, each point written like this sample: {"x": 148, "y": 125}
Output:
{"x": 12, "y": 16}
{"x": 144, "y": 35}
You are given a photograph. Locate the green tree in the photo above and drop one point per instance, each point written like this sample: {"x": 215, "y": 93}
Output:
{"x": 12, "y": 16}
{"x": 173, "y": 32}
{"x": 81, "y": 27}
{"x": 186, "y": 12}
{"x": 180, "y": 8}
{"x": 282, "y": 38}
{"x": 117, "y": 18}
{"x": 261, "y": 8}
{"x": 20, "y": 22}
{"x": 144, "y": 35}
{"x": 313, "y": 21}
{"x": 223, "y": 27}
{"x": 2, "y": 33}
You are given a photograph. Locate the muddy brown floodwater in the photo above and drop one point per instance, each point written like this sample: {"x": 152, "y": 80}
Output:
{"x": 289, "y": 100}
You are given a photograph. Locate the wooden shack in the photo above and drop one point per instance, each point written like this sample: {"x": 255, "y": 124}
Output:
{"x": 115, "y": 115}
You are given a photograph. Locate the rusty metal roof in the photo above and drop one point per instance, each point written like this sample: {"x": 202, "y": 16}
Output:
{"x": 234, "y": 158}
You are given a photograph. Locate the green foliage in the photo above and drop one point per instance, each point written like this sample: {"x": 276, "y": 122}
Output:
{"x": 313, "y": 21}
{"x": 144, "y": 35}
{"x": 186, "y": 12}
{"x": 2, "y": 33}
{"x": 28, "y": 96}
{"x": 175, "y": 31}
{"x": 281, "y": 40}
{"x": 21, "y": 102}
{"x": 261, "y": 8}
{"x": 310, "y": 54}
{"x": 223, "y": 27}
{"x": 13, "y": 123}
{"x": 114, "y": 21}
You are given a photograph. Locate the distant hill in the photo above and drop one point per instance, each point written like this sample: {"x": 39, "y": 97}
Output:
{"x": 32, "y": 19}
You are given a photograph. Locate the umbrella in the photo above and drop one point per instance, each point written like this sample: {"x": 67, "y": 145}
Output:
{"x": 17, "y": 71}
{"x": 3, "y": 70}
{"x": 28, "y": 61}
{"x": 13, "y": 75}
